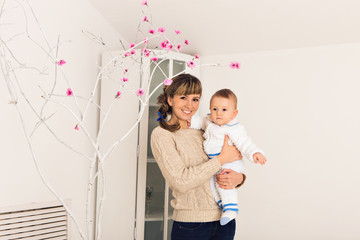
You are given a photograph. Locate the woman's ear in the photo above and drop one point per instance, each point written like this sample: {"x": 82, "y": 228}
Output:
{"x": 170, "y": 101}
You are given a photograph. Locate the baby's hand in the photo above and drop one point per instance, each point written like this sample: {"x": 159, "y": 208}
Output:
{"x": 259, "y": 158}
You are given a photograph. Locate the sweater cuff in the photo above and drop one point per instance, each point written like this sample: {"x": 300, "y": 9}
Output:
{"x": 214, "y": 165}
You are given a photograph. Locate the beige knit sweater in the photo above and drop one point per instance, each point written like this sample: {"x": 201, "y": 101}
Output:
{"x": 187, "y": 170}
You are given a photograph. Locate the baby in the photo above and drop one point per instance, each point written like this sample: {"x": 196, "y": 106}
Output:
{"x": 220, "y": 122}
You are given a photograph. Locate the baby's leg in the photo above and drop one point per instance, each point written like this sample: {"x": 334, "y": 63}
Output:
{"x": 214, "y": 192}
{"x": 229, "y": 196}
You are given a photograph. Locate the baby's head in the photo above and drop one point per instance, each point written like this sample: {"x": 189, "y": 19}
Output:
{"x": 223, "y": 106}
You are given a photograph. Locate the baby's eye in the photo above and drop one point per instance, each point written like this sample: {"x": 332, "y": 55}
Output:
{"x": 214, "y": 109}
{"x": 224, "y": 109}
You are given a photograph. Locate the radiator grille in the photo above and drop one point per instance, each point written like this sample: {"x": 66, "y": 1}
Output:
{"x": 40, "y": 223}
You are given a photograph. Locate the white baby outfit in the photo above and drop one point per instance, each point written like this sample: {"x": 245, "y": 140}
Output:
{"x": 214, "y": 140}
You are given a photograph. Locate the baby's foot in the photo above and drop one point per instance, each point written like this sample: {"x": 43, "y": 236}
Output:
{"x": 227, "y": 217}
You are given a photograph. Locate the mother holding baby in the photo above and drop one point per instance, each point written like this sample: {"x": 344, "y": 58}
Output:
{"x": 179, "y": 152}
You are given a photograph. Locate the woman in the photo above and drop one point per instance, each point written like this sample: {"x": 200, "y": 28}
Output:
{"x": 179, "y": 153}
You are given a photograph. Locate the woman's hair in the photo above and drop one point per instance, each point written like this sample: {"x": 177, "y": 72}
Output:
{"x": 183, "y": 84}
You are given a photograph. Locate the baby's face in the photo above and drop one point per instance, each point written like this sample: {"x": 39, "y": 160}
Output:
{"x": 222, "y": 110}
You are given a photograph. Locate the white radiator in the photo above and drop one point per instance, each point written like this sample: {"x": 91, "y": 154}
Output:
{"x": 34, "y": 221}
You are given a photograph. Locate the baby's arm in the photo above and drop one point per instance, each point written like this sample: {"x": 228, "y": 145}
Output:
{"x": 259, "y": 158}
{"x": 242, "y": 141}
{"x": 198, "y": 122}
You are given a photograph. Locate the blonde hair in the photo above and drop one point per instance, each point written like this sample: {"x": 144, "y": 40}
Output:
{"x": 225, "y": 93}
{"x": 183, "y": 84}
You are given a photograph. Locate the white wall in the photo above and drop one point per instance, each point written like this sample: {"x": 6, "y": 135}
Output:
{"x": 66, "y": 171}
{"x": 301, "y": 107}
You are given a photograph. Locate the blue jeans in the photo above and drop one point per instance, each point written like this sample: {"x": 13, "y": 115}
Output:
{"x": 203, "y": 231}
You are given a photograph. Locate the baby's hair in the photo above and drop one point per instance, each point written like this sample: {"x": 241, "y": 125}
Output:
{"x": 225, "y": 93}
{"x": 183, "y": 84}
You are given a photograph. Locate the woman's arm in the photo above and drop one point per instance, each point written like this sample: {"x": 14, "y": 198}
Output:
{"x": 229, "y": 179}
{"x": 177, "y": 174}
{"x": 228, "y": 153}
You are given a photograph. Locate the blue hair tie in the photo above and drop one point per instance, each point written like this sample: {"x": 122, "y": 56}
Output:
{"x": 160, "y": 117}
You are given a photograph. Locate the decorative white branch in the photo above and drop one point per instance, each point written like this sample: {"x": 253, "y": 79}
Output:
{"x": 11, "y": 63}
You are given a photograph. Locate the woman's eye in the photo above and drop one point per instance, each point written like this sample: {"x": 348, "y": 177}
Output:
{"x": 196, "y": 99}
{"x": 183, "y": 97}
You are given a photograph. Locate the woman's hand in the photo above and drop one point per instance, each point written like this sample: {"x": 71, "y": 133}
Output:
{"x": 228, "y": 153}
{"x": 229, "y": 179}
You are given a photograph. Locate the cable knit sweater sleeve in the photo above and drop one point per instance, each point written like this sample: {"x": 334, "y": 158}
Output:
{"x": 181, "y": 158}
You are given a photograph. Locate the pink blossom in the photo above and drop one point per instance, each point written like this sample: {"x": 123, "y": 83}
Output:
{"x": 140, "y": 92}
{"x": 76, "y": 127}
{"x": 69, "y": 92}
{"x": 151, "y": 31}
{"x": 146, "y": 40}
{"x": 177, "y": 32}
{"x": 132, "y": 45}
{"x": 179, "y": 47}
{"x": 61, "y": 62}
{"x": 161, "y": 30}
{"x": 117, "y": 96}
{"x": 170, "y": 46}
{"x": 144, "y": 2}
{"x": 132, "y": 51}
{"x": 196, "y": 56}
{"x": 234, "y": 65}
{"x": 191, "y": 64}
{"x": 168, "y": 81}
{"x": 164, "y": 44}
{"x": 186, "y": 42}
{"x": 127, "y": 54}
{"x": 145, "y": 19}
{"x": 154, "y": 59}
{"x": 126, "y": 70}
{"x": 125, "y": 79}
{"x": 146, "y": 52}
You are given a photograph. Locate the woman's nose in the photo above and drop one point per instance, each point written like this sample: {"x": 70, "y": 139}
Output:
{"x": 188, "y": 103}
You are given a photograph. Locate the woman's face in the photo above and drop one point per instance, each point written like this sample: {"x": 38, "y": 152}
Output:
{"x": 183, "y": 108}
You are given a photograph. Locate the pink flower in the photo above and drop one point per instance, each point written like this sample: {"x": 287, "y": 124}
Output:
{"x": 126, "y": 70}
{"x": 179, "y": 47}
{"x": 191, "y": 64}
{"x": 146, "y": 40}
{"x": 127, "y": 54}
{"x": 132, "y": 51}
{"x": 117, "y": 96}
{"x": 125, "y": 79}
{"x": 196, "y": 56}
{"x": 61, "y": 62}
{"x": 234, "y": 65}
{"x": 76, "y": 127}
{"x": 161, "y": 30}
{"x": 154, "y": 59}
{"x": 146, "y": 52}
{"x": 164, "y": 44}
{"x": 177, "y": 32}
{"x": 140, "y": 92}
{"x": 186, "y": 42}
{"x": 69, "y": 92}
{"x": 167, "y": 81}
{"x": 145, "y": 19}
{"x": 170, "y": 46}
{"x": 144, "y": 2}
{"x": 132, "y": 45}
{"x": 151, "y": 31}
